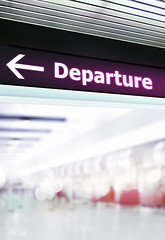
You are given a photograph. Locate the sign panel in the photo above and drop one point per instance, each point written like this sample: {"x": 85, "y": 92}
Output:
{"x": 31, "y": 68}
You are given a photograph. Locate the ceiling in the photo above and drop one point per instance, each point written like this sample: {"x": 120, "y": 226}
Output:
{"x": 136, "y": 21}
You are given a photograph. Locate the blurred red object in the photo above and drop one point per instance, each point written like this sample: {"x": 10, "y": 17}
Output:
{"x": 107, "y": 198}
{"x": 159, "y": 196}
{"x": 129, "y": 197}
{"x": 62, "y": 194}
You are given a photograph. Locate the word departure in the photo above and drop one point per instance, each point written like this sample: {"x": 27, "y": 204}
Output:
{"x": 86, "y": 76}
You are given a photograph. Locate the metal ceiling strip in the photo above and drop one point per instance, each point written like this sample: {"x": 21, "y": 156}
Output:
{"x": 74, "y": 28}
{"x": 92, "y": 7}
{"x": 156, "y": 3}
{"x": 111, "y": 27}
{"x": 113, "y": 5}
{"x": 149, "y": 3}
{"x": 112, "y": 13}
{"x": 88, "y": 18}
{"x": 139, "y": 6}
{"x": 104, "y": 20}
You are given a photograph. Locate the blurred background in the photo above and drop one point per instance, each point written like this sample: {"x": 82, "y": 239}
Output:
{"x": 81, "y": 172}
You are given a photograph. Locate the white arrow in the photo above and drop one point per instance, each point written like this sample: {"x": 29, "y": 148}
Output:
{"x": 13, "y": 66}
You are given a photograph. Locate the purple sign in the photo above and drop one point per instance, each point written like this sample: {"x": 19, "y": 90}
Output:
{"x": 24, "y": 67}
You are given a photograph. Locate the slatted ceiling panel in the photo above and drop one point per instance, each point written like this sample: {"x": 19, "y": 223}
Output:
{"x": 138, "y": 21}
{"x": 23, "y": 6}
{"x": 82, "y": 9}
{"x": 56, "y": 13}
{"x": 97, "y": 26}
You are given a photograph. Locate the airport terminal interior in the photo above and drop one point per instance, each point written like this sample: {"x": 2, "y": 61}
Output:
{"x": 81, "y": 168}
{"x": 81, "y": 172}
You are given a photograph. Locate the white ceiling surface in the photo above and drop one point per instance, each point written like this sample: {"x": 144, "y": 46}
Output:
{"x": 88, "y": 132}
{"x": 137, "y": 21}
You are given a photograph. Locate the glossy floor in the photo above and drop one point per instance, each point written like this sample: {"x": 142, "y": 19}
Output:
{"x": 83, "y": 222}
